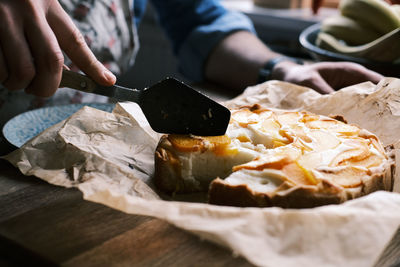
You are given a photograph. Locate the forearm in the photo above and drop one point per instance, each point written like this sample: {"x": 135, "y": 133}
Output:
{"x": 236, "y": 60}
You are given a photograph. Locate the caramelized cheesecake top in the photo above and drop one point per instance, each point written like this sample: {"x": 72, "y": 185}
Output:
{"x": 299, "y": 148}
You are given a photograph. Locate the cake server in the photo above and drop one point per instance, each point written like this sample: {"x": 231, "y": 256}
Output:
{"x": 170, "y": 106}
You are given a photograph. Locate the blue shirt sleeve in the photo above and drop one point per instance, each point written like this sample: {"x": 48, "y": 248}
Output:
{"x": 195, "y": 27}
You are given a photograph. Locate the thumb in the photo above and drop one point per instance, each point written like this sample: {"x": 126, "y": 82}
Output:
{"x": 319, "y": 85}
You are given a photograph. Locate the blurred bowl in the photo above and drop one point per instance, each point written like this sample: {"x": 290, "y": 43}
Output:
{"x": 307, "y": 40}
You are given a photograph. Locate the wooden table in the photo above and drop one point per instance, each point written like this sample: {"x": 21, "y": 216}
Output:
{"x": 47, "y": 225}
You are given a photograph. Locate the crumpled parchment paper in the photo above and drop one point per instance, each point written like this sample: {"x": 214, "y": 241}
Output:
{"x": 109, "y": 157}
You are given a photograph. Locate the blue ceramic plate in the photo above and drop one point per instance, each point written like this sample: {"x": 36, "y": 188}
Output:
{"x": 27, "y": 125}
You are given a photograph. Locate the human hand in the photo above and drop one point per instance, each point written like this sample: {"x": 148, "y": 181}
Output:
{"x": 324, "y": 77}
{"x": 33, "y": 34}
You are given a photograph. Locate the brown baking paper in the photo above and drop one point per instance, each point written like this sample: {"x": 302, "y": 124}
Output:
{"x": 109, "y": 157}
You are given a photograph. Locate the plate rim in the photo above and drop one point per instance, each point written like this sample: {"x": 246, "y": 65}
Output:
{"x": 15, "y": 143}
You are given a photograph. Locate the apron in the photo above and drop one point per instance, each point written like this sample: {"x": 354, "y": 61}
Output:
{"x": 109, "y": 30}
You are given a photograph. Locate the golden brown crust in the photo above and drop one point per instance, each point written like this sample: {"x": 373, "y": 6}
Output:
{"x": 167, "y": 174}
{"x": 338, "y": 118}
{"x": 222, "y": 193}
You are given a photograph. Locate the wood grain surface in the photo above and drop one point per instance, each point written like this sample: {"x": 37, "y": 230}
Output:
{"x": 46, "y": 225}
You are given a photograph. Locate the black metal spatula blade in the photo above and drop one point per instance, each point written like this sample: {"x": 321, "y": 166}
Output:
{"x": 170, "y": 106}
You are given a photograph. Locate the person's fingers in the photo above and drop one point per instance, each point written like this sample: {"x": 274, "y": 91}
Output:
{"x": 362, "y": 74}
{"x": 343, "y": 74}
{"x": 48, "y": 56}
{"x": 73, "y": 44}
{"x": 306, "y": 75}
{"x": 17, "y": 55}
{"x": 318, "y": 84}
{"x": 3, "y": 68}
